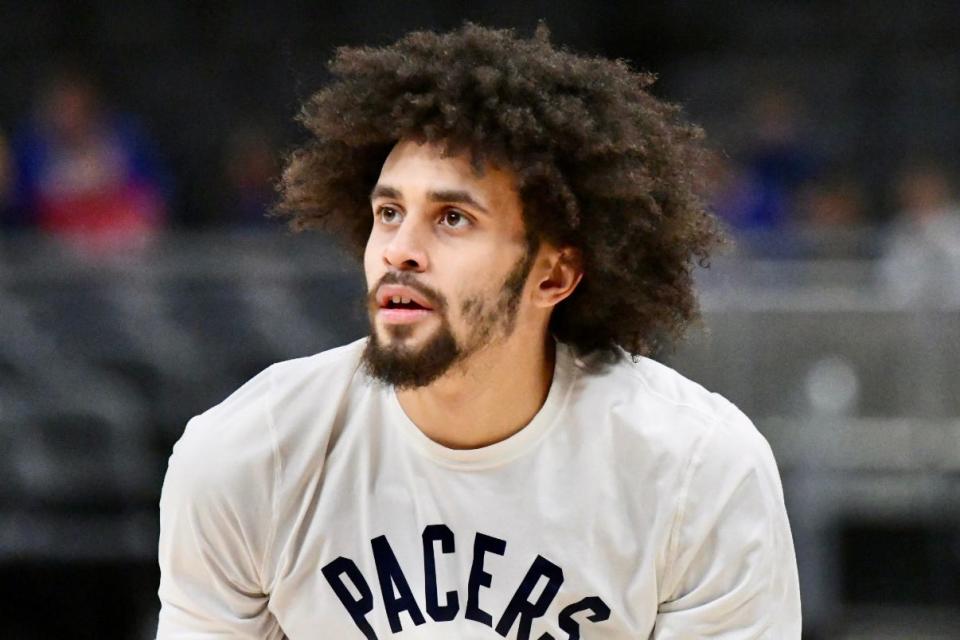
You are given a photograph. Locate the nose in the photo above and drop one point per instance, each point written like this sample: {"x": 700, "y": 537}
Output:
{"x": 405, "y": 250}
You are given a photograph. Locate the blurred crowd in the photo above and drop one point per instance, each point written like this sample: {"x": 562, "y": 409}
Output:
{"x": 81, "y": 171}
{"x": 78, "y": 169}
{"x": 782, "y": 197}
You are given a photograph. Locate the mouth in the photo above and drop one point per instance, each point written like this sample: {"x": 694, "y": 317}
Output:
{"x": 401, "y": 305}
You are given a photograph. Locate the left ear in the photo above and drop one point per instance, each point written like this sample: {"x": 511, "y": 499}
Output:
{"x": 560, "y": 271}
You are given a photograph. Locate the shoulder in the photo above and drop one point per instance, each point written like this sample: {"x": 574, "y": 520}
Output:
{"x": 709, "y": 415}
{"x": 712, "y": 446}
{"x": 647, "y": 393}
{"x": 671, "y": 415}
{"x": 727, "y": 552}
{"x": 240, "y": 437}
{"x": 224, "y": 486}
{"x": 328, "y": 370}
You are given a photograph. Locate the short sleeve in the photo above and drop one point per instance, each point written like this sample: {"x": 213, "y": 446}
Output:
{"x": 732, "y": 572}
{"x": 216, "y": 518}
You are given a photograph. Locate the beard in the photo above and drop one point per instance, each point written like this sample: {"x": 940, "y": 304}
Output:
{"x": 406, "y": 367}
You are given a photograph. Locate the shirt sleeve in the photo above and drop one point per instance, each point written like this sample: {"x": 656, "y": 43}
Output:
{"x": 732, "y": 572}
{"x": 216, "y": 518}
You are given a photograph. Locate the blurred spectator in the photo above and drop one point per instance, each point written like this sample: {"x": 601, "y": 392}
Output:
{"x": 836, "y": 203}
{"x": 922, "y": 258}
{"x": 736, "y": 196}
{"x": 732, "y": 192}
{"x": 758, "y": 195}
{"x": 86, "y": 174}
{"x": 778, "y": 158}
{"x": 833, "y": 215}
{"x": 250, "y": 169}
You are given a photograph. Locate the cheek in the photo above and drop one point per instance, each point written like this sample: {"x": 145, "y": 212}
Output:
{"x": 473, "y": 305}
{"x": 470, "y": 307}
{"x": 372, "y": 266}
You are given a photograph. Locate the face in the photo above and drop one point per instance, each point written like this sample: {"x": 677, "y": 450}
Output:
{"x": 446, "y": 263}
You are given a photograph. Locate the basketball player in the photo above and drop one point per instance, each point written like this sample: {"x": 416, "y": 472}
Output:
{"x": 499, "y": 458}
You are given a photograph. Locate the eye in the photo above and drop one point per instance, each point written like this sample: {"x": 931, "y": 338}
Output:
{"x": 454, "y": 219}
{"x": 388, "y": 215}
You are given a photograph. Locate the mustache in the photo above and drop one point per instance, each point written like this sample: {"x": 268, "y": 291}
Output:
{"x": 404, "y": 278}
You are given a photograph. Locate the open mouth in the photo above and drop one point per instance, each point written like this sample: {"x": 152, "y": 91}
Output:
{"x": 402, "y": 305}
{"x": 398, "y": 302}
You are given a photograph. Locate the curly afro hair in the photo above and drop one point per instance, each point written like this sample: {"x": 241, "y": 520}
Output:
{"x": 601, "y": 165}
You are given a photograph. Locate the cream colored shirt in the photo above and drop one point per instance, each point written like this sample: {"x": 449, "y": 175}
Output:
{"x": 634, "y": 505}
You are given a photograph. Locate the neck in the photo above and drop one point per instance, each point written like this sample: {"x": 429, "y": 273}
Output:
{"x": 495, "y": 393}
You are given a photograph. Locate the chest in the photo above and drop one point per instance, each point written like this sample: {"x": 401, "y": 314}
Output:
{"x": 537, "y": 549}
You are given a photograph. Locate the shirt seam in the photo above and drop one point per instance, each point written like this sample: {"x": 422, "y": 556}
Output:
{"x": 277, "y": 475}
{"x": 770, "y": 539}
{"x": 673, "y": 540}
{"x": 693, "y": 465}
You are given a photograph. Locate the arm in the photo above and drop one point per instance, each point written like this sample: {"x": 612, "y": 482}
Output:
{"x": 732, "y": 572}
{"x": 215, "y": 525}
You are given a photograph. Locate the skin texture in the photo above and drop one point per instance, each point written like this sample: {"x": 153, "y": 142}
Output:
{"x": 468, "y": 259}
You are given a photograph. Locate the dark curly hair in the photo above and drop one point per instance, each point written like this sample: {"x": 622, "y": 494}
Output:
{"x": 601, "y": 164}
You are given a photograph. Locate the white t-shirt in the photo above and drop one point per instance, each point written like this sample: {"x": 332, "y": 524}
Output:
{"x": 635, "y": 504}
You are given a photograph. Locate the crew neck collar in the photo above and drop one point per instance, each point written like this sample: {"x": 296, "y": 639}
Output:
{"x": 564, "y": 373}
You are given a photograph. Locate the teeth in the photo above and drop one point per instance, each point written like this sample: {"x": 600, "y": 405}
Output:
{"x": 405, "y": 300}
{"x": 396, "y": 300}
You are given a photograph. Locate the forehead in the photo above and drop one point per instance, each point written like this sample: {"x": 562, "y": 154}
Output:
{"x": 417, "y": 168}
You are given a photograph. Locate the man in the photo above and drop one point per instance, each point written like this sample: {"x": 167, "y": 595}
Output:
{"x": 490, "y": 462}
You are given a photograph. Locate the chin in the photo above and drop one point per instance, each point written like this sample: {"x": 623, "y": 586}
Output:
{"x": 392, "y": 335}
{"x": 409, "y": 363}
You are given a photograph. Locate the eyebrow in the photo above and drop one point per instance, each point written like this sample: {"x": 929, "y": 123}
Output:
{"x": 383, "y": 191}
{"x": 451, "y": 195}
{"x": 443, "y": 195}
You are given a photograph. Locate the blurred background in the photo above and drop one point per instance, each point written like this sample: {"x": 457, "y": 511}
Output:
{"x": 140, "y": 282}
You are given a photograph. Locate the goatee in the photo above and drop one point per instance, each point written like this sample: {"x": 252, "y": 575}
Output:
{"x": 409, "y": 368}
{"x": 406, "y": 368}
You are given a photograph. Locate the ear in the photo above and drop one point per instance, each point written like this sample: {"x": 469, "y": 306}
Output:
{"x": 559, "y": 275}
